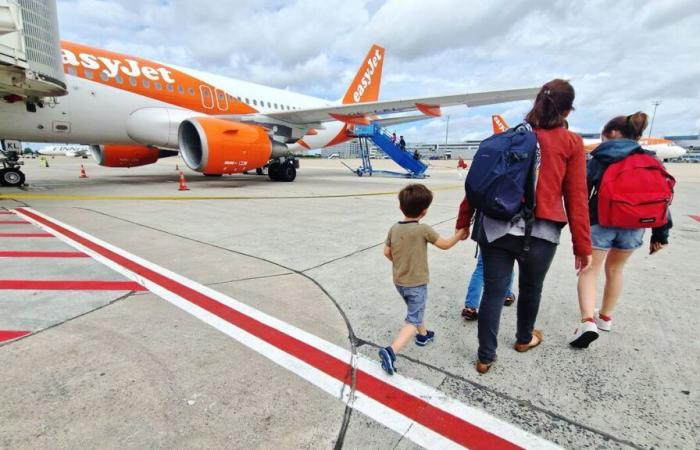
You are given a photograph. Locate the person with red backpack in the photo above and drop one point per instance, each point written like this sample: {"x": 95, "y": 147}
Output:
{"x": 514, "y": 192}
{"x": 629, "y": 190}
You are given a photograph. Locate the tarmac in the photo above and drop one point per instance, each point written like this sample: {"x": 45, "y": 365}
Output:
{"x": 109, "y": 364}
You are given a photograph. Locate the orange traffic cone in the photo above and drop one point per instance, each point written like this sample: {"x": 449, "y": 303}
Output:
{"x": 183, "y": 185}
{"x": 82, "y": 172}
{"x": 461, "y": 164}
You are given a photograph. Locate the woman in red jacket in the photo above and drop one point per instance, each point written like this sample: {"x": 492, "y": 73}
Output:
{"x": 561, "y": 174}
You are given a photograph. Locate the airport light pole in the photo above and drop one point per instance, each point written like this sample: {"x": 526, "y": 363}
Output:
{"x": 656, "y": 105}
{"x": 447, "y": 129}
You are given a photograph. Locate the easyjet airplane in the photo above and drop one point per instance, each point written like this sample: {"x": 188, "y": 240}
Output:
{"x": 664, "y": 148}
{"x": 133, "y": 111}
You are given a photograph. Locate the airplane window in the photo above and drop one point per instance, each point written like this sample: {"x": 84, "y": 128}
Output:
{"x": 181, "y": 89}
{"x": 205, "y": 93}
{"x": 276, "y": 106}
{"x": 169, "y": 87}
{"x": 133, "y": 81}
{"x": 104, "y": 76}
{"x": 239, "y": 99}
{"x": 269, "y": 105}
{"x": 145, "y": 83}
{"x": 247, "y": 101}
{"x": 72, "y": 71}
{"x": 88, "y": 74}
{"x": 119, "y": 79}
{"x": 191, "y": 91}
{"x": 157, "y": 85}
{"x": 255, "y": 102}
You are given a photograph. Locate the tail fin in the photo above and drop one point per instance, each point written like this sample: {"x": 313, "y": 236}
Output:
{"x": 499, "y": 124}
{"x": 365, "y": 85}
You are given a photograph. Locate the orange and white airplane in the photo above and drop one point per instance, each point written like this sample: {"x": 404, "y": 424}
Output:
{"x": 664, "y": 148}
{"x": 133, "y": 111}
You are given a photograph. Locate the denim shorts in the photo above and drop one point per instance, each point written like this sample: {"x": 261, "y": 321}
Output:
{"x": 605, "y": 238}
{"x": 415, "y": 297}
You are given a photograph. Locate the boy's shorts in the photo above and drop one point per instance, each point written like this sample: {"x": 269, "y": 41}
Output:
{"x": 605, "y": 238}
{"x": 415, "y": 298}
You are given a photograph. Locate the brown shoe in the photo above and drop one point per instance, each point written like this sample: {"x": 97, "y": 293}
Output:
{"x": 470, "y": 314}
{"x": 483, "y": 367}
{"x": 536, "y": 337}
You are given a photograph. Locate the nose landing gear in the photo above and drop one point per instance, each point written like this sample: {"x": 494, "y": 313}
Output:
{"x": 10, "y": 174}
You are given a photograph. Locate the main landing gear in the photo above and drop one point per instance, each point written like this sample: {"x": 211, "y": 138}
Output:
{"x": 283, "y": 170}
{"x": 10, "y": 174}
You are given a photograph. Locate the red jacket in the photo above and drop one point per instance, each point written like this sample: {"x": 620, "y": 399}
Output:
{"x": 562, "y": 174}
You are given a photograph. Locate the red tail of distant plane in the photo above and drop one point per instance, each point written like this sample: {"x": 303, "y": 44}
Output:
{"x": 499, "y": 124}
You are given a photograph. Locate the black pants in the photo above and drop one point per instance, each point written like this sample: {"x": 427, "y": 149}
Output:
{"x": 499, "y": 257}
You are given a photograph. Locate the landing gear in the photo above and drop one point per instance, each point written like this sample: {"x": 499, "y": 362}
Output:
{"x": 259, "y": 171}
{"x": 11, "y": 175}
{"x": 283, "y": 170}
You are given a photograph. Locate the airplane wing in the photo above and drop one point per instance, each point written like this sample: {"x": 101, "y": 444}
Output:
{"x": 357, "y": 113}
{"x": 391, "y": 121}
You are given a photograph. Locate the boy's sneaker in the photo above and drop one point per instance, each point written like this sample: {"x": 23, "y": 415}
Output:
{"x": 586, "y": 333}
{"x": 422, "y": 341}
{"x": 387, "y": 357}
{"x": 604, "y": 324}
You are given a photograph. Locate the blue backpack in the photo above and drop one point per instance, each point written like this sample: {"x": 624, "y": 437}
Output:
{"x": 501, "y": 180}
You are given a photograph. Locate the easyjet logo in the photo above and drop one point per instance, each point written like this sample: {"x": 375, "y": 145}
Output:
{"x": 113, "y": 66}
{"x": 366, "y": 80}
{"x": 499, "y": 124}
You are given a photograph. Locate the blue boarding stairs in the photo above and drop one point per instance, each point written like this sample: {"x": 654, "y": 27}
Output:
{"x": 415, "y": 168}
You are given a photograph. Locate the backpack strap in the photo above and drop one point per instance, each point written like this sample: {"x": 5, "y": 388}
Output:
{"x": 527, "y": 212}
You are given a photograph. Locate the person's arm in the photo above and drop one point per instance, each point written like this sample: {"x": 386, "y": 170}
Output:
{"x": 576, "y": 204}
{"x": 448, "y": 243}
{"x": 659, "y": 236}
{"x": 387, "y": 252}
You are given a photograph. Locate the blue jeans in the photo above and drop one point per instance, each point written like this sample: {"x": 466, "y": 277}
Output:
{"x": 476, "y": 285}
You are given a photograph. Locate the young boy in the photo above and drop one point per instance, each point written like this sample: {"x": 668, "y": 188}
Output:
{"x": 406, "y": 247}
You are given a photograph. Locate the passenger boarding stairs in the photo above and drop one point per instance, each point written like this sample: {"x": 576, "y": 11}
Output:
{"x": 415, "y": 168}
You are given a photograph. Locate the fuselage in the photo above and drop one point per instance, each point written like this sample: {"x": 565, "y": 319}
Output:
{"x": 107, "y": 88}
{"x": 664, "y": 148}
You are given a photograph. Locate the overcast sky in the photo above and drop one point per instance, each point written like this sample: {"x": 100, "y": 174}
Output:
{"x": 621, "y": 55}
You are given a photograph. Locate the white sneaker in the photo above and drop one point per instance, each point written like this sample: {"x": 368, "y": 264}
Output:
{"x": 603, "y": 325}
{"x": 586, "y": 333}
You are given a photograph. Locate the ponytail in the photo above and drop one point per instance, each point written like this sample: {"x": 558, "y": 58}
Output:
{"x": 552, "y": 104}
{"x": 630, "y": 127}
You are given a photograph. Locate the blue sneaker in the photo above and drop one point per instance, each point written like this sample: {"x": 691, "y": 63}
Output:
{"x": 422, "y": 341}
{"x": 387, "y": 357}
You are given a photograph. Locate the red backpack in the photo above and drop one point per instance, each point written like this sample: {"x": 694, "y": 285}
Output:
{"x": 635, "y": 193}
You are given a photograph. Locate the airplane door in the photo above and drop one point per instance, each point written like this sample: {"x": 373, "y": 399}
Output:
{"x": 221, "y": 100}
{"x": 207, "y": 96}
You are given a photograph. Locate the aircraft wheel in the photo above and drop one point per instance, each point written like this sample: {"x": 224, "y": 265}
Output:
{"x": 11, "y": 177}
{"x": 274, "y": 171}
{"x": 259, "y": 171}
{"x": 287, "y": 173}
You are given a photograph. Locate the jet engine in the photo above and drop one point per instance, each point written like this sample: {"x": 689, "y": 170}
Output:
{"x": 216, "y": 146}
{"x": 127, "y": 155}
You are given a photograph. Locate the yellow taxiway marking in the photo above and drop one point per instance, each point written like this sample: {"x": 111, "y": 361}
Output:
{"x": 63, "y": 197}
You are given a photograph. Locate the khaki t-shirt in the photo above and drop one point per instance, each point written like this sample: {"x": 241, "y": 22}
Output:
{"x": 409, "y": 249}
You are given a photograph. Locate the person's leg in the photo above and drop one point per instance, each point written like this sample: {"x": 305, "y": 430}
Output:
{"x": 498, "y": 266}
{"x": 510, "y": 293}
{"x": 416, "y": 298}
{"x": 587, "y": 285}
{"x": 533, "y": 266}
{"x": 614, "y": 267}
{"x": 476, "y": 285}
{"x": 406, "y": 334}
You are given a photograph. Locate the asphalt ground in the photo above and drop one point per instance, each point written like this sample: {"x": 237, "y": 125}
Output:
{"x": 124, "y": 368}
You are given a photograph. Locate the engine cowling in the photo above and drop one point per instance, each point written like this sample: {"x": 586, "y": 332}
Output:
{"x": 216, "y": 146}
{"x": 124, "y": 155}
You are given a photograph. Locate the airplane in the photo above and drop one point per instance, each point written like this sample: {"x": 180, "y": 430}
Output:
{"x": 664, "y": 148}
{"x": 65, "y": 150}
{"x": 133, "y": 111}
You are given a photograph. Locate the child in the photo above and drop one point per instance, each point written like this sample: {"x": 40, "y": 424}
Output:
{"x": 406, "y": 247}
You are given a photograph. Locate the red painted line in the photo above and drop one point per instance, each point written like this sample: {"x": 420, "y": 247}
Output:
{"x": 693, "y": 216}
{"x": 8, "y": 335}
{"x": 25, "y": 235}
{"x": 75, "y": 285}
{"x": 13, "y": 222}
{"x": 417, "y": 409}
{"x": 19, "y": 254}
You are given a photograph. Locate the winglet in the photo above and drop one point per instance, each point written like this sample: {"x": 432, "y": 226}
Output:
{"x": 365, "y": 86}
{"x": 499, "y": 124}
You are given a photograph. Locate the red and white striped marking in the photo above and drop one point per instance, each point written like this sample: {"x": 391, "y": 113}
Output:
{"x": 423, "y": 414}
{"x": 693, "y": 216}
{"x": 8, "y": 335}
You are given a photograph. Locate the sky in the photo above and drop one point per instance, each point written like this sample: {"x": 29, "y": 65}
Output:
{"x": 620, "y": 56}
